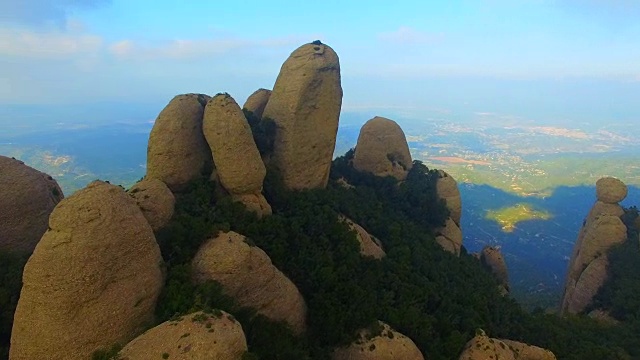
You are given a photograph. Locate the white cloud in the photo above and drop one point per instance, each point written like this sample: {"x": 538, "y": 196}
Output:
{"x": 47, "y": 45}
{"x": 408, "y": 35}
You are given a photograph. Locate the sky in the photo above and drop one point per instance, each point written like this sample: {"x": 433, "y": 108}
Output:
{"x": 541, "y": 58}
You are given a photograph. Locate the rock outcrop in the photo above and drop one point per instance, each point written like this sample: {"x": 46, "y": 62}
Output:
{"x": 235, "y": 154}
{"x": 382, "y": 149}
{"x": 92, "y": 281}
{"x": 369, "y": 245}
{"x": 197, "y": 336}
{"x": 257, "y": 101}
{"x": 177, "y": 152}
{"x": 305, "y": 106}
{"x": 482, "y": 347}
{"x": 447, "y": 189}
{"x": 602, "y": 229}
{"x": 27, "y": 197}
{"x": 492, "y": 259}
{"x": 155, "y": 200}
{"x": 610, "y": 190}
{"x": 247, "y": 274}
{"x": 387, "y": 345}
{"x": 450, "y": 237}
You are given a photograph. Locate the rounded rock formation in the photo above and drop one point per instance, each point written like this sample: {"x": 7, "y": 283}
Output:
{"x": 238, "y": 163}
{"x": 257, "y": 101}
{"x": 177, "y": 152}
{"x": 305, "y": 106}
{"x": 387, "y": 345}
{"x": 369, "y": 246}
{"x": 587, "y": 285}
{"x": 27, "y": 197}
{"x": 450, "y": 237}
{"x": 491, "y": 257}
{"x": 155, "y": 200}
{"x": 610, "y": 190}
{"x": 482, "y": 347}
{"x": 247, "y": 274}
{"x": 447, "y": 189}
{"x": 92, "y": 281}
{"x": 382, "y": 149}
{"x": 197, "y": 336}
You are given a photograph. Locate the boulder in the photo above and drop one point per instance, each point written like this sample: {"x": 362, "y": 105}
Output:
{"x": 388, "y": 344}
{"x": 482, "y": 347}
{"x": 610, "y": 190}
{"x": 92, "y": 281}
{"x": 155, "y": 200}
{"x": 447, "y": 189}
{"x": 305, "y": 106}
{"x": 177, "y": 152}
{"x": 235, "y": 154}
{"x": 450, "y": 237}
{"x": 603, "y": 233}
{"x": 382, "y": 149}
{"x": 369, "y": 245}
{"x": 257, "y": 101}
{"x": 247, "y": 274}
{"x": 491, "y": 257}
{"x": 27, "y": 198}
{"x": 197, "y": 336}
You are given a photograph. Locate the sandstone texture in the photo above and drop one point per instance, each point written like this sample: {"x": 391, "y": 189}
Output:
{"x": 601, "y": 230}
{"x": 369, "y": 246}
{"x": 305, "y": 106}
{"x": 257, "y": 101}
{"x": 236, "y": 157}
{"x": 388, "y": 345}
{"x": 92, "y": 281}
{"x": 492, "y": 258}
{"x": 610, "y": 190}
{"x": 382, "y": 149}
{"x": 177, "y": 152}
{"x": 197, "y": 336}
{"x": 27, "y": 197}
{"x": 155, "y": 200}
{"x": 247, "y": 274}
{"x": 450, "y": 237}
{"x": 447, "y": 189}
{"x": 482, "y": 347}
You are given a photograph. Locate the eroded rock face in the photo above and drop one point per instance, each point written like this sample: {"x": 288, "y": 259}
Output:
{"x": 247, "y": 274}
{"x": 482, "y": 347}
{"x": 27, "y": 197}
{"x": 305, "y": 106}
{"x": 92, "y": 281}
{"x": 492, "y": 258}
{"x": 369, "y": 246}
{"x": 197, "y": 336}
{"x": 235, "y": 154}
{"x": 257, "y": 101}
{"x": 447, "y": 189}
{"x": 450, "y": 237}
{"x": 388, "y": 345}
{"x": 601, "y": 230}
{"x": 382, "y": 149}
{"x": 610, "y": 190}
{"x": 155, "y": 200}
{"x": 177, "y": 152}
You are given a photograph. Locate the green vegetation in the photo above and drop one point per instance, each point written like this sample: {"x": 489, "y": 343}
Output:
{"x": 509, "y": 217}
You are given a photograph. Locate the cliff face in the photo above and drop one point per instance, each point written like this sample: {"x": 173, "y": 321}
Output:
{"x": 602, "y": 229}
